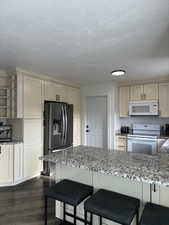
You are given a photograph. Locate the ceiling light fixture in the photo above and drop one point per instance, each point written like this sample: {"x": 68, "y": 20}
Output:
{"x": 117, "y": 73}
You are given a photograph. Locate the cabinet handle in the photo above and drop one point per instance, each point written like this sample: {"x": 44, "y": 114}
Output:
{"x": 154, "y": 189}
{"x": 0, "y": 150}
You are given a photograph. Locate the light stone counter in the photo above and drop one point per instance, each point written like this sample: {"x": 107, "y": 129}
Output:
{"x": 152, "y": 169}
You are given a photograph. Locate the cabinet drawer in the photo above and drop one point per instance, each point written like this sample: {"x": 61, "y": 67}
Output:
{"x": 121, "y": 141}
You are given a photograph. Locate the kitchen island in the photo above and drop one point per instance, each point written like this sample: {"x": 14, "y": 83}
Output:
{"x": 139, "y": 175}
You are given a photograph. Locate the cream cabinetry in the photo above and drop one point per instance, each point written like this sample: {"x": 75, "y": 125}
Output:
{"x": 32, "y": 147}
{"x": 141, "y": 92}
{"x": 32, "y": 97}
{"x": 121, "y": 143}
{"x": 163, "y": 99}
{"x": 150, "y": 91}
{"x": 136, "y": 93}
{"x": 144, "y": 92}
{"x": 18, "y": 162}
{"x": 11, "y": 164}
{"x": 124, "y": 94}
{"x": 6, "y": 164}
{"x": 54, "y": 91}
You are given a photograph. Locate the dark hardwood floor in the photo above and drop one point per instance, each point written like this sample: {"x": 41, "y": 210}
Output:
{"x": 24, "y": 204}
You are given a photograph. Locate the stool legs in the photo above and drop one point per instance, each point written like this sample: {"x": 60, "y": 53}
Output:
{"x": 100, "y": 220}
{"x": 91, "y": 218}
{"x": 74, "y": 215}
{"x": 64, "y": 211}
{"x": 46, "y": 209}
{"x": 85, "y": 212}
{"x": 137, "y": 218}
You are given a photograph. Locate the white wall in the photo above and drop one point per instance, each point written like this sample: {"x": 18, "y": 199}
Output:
{"x": 104, "y": 89}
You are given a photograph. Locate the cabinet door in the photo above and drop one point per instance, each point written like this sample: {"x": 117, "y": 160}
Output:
{"x": 18, "y": 162}
{"x": 124, "y": 97}
{"x": 32, "y": 147}
{"x": 6, "y": 164}
{"x": 53, "y": 91}
{"x": 73, "y": 97}
{"x": 150, "y": 91}
{"x": 121, "y": 143}
{"x": 136, "y": 93}
{"x": 32, "y": 97}
{"x": 163, "y": 99}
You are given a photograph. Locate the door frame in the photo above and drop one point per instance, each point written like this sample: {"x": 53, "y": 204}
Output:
{"x": 108, "y": 119}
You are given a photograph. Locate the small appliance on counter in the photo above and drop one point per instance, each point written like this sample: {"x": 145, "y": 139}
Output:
{"x": 5, "y": 133}
{"x": 167, "y": 129}
{"x": 125, "y": 130}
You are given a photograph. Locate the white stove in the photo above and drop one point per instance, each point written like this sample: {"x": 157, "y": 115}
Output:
{"x": 144, "y": 138}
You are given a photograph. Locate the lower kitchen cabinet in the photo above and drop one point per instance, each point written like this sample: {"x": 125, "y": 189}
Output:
{"x": 11, "y": 164}
{"x": 121, "y": 143}
{"x": 18, "y": 162}
{"x": 6, "y": 164}
{"x": 32, "y": 147}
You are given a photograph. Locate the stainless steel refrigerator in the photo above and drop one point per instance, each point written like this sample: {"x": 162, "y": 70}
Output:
{"x": 58, "y": 128}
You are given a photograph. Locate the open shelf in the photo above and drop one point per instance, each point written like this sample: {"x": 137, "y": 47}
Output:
{"x": 4, "y": 102}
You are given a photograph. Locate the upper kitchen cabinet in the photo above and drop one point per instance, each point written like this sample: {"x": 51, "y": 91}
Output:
{"x": 124, "y": 95}
{"x": 150, "y": 91}
{"x": 32, "y": 97}
{"x": 144, "y": 92}
{"x": 163, "y": 99}
{"x": 54, "y": 91}
{"x": 136, "y": 93}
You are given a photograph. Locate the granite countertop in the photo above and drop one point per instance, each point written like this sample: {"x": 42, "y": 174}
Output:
{"x": 135, "y": 166}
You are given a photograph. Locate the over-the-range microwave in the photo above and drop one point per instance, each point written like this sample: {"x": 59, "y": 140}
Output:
{"x": 144, "y": 108}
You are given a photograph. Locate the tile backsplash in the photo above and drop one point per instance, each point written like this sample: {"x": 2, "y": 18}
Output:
{"x": 143, "y": 119}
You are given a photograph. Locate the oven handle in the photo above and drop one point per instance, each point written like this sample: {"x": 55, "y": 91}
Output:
{"x": 141, "y": 139}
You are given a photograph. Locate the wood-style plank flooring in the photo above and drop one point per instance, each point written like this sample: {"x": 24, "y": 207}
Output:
{"x": 24, "y": 204}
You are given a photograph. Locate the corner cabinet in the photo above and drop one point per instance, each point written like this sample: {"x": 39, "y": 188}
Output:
{"x": 6, "y": 164}
{"x": 11, "y": 164}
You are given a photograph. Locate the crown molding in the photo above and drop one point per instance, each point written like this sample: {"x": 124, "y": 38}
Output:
{"x": 46, "y": 77}
{"x": 147, "y": 81}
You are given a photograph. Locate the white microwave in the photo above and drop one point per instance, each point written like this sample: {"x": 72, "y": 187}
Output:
{"x": 144, "y": 108}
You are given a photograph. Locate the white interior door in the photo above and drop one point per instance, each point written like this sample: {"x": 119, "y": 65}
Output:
{"x": 96, "y": 125}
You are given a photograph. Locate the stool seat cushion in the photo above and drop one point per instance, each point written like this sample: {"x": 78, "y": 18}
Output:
{"x": 70, "y": 192}
{"x": 155, "y": 215}
{"x": 113, "y": 206}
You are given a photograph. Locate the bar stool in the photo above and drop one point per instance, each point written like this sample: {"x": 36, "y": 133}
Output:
{"x": 155, "y": 215}
{"x": 69, "y": 192}
{"x": 113, "y": 206}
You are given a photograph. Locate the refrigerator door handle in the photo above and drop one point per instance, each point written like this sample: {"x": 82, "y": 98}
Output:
{"x": 66, "y": 124}
{"x": 63, "y": 118}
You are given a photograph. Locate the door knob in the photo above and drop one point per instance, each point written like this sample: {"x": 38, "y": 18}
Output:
{"x": 87, "y": 131}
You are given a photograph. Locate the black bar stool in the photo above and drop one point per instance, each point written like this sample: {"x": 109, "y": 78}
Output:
{"x": 69, "y": 192}
{"x": 155, "y": 215}
{"x": 113, "y": 206}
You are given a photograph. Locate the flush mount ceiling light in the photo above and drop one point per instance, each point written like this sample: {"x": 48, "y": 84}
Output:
{"x": 117, "y": 73}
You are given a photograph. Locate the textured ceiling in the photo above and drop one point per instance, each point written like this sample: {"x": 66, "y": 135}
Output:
{"x": 83, "y": 40}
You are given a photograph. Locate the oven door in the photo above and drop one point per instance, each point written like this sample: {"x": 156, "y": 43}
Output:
{"x": 142, "y": 145}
